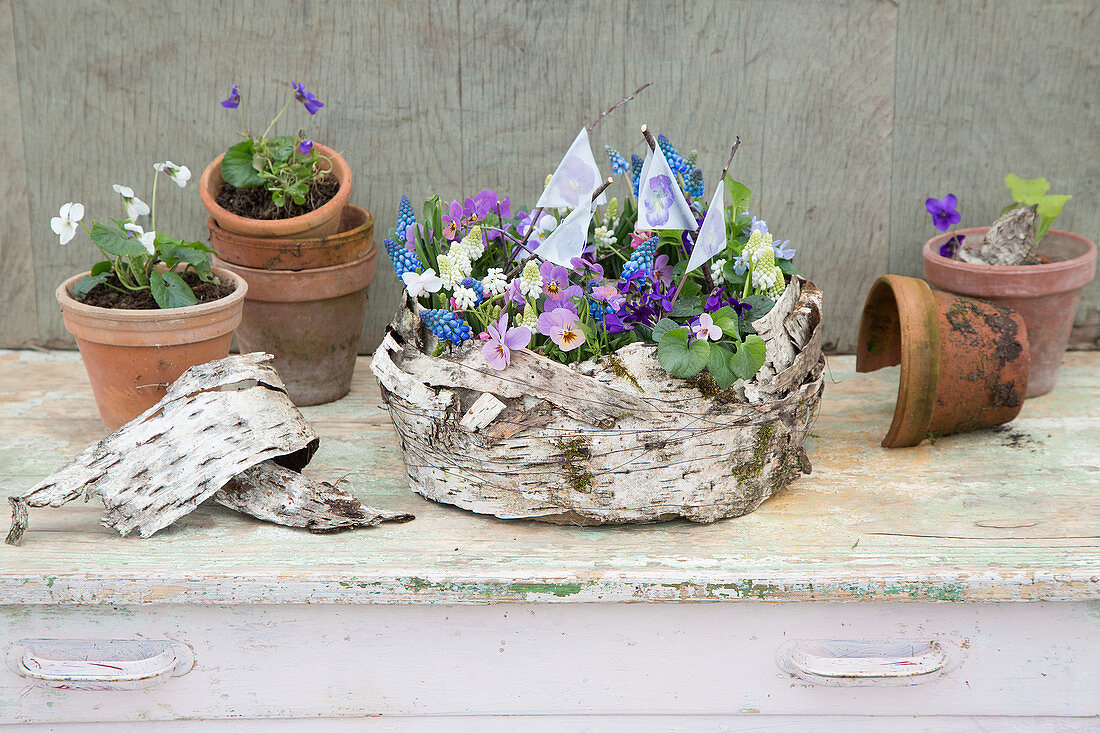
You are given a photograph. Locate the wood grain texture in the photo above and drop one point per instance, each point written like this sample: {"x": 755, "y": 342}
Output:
{"x": 498, "y": 90}
{"x": 18, "y": 320}
{"x": 985, "y": 516}
{"x": 986, "y": 88}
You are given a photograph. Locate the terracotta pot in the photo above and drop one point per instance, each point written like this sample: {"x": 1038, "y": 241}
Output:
{"x": 352, "y": 241}
{"x": 317, "y": 223}
{"x": 131, "y": 356}
{"x": 310, "y": 321}
{"x": 964, "y": 362}
{"x": 1045, "y": 295}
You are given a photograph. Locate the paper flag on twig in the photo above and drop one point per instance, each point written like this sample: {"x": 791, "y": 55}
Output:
{"x": 568, "y": 240}
{"x": 661, "y": 203}
{"x": 575, "y": 179}
{"x": 712, "y": 235}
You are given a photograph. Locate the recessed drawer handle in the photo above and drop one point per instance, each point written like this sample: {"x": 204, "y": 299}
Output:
{"x": 857, "y": 663}
{"x": 113, "y": 664}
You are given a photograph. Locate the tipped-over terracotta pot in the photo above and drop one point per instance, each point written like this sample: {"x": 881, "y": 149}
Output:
{"x": 310, "y": 320}
{"x": 131, "y": 356}
{"x": 354, "y": 239}
{"x": 964, "y": 362}
{"x": 1045, "y": 295}
{"x": 318, "y": 223}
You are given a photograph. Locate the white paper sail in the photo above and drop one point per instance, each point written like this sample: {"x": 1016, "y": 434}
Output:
{"x": 568, "y": 240}
{"x": 575, "y": 179}
{"x": 661, "y": 203}
{"x": 712, "y": 235}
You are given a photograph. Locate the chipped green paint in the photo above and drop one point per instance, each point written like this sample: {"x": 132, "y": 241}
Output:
{"x": 926, "y": 591}
{"x": 561, "y": 590}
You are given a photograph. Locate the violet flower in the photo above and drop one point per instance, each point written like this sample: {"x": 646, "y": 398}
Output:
{"x": 305, "y": 146}
{"x": 502, "y": 341}
{"x": 234, "y": 100}
{"x": 555, "y": 283}
{"x": 560, "y": 325}
{"x": 782, "y": 252}
{"x": 949, "y": 248}
{"x": 706, "y": 329}
{"x": 662, "y": 271}
{"x": 943, "y": 211}
{"x": 609, "y": 294}
{"x": 715, "y": 300}
{"x": 614, "y": 323}
{"x": 308, "y": 100}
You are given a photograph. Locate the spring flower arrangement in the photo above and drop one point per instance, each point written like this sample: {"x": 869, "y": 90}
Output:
{"x": 286, "y": 165}
{"x": 579, "y": 277}
{"x": 1025, "y": 193}
{"x": 135, "y": 258}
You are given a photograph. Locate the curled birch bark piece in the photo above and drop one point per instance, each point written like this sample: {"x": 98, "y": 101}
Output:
{"x": 216, "y": 421}
{"x": 616, "y": 442}
{"x": 277, "y": 494}
{"x": 1009, "y": 241}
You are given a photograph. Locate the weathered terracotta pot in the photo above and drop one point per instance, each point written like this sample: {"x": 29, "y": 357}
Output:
{"x": 320, "y": 222}
{"x": 310, "y": 321}
{"x": 131, "y": 356}
{"x": 351, "y": 242}
{"x": 1045, "y": 295}
{"x": 964, "y": 362}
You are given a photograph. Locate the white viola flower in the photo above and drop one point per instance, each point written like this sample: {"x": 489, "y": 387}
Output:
{"x": 147, "y": 239}
{"x": 65, "y": 223}
{"x": 494, "y": 282}
{"x": 418, "y": 283}
{"x": 181, "y": 174}
{"x": 465, "y": 298}
{"x": 135, "y": 207}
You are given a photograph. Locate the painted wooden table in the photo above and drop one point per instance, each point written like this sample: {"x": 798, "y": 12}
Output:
{"x": 959, "y": 579}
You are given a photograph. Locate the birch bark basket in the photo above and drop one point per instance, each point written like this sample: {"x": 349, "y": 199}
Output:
{"x": 619, "y": 441}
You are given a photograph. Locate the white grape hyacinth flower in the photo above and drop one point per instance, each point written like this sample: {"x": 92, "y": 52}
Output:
{"x": 419, "y": 283}
{"x": 147, "y": 239}
{"x": 180, "y": 174}
{"x": 465, "y": 298}
{"x": 65, "y": 223}
{"x": 135, "y": 207}
{"x": 494, "y": 282}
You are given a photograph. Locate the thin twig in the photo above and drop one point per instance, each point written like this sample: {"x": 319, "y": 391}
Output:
{"x": 649, "y": 137}
{"x": 595, "y": 195}
{"x": 733, "y": 151}
{"x": 618, "y": 104}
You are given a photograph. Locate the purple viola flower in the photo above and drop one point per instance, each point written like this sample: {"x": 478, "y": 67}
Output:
{"x": 659, "y": 200}
{"x": 665, "y": 300}
{"x": 637, "y": 277}
{"x": 715, "y": 300}
{"x": 555, "y": 283}
{"x": 614, "y": 323}
{"x": 305, "y": 146}
{"x": 580, "y": 264}
{"x": 943, "y": 211}
{"x": 782, "y": 252}
{"x": 488, "y": 202}
{"x": 662, "y": 271}
{"x": 502, "y": 341}
{"x": 561, "y": 326}
{"x": 513, "y": 293}
{"x": 739, "y": 306}
{"x": 609, "y": 294}
{"x": 308, "y": 100}
{"x": 234, "y": 100}
{"x": 949, "y": 248}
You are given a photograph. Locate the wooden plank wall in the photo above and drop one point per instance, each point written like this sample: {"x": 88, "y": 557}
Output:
{"x": 851, "y": 113}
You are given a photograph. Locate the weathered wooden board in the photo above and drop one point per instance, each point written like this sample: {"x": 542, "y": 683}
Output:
{"x": 836, "y": 149}
{"x": 18, "y": 324}
{"x": 1008, "y": 515}
{"x": 988, "y": 88}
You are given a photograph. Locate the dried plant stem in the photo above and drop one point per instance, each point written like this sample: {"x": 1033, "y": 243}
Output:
{"x": 595, "y": 195}
{"x": 618, "y": 104}
{"x": 733, "y": 151}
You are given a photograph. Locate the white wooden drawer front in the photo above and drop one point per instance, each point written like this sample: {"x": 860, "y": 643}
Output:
{"x": 1015, "y": 659}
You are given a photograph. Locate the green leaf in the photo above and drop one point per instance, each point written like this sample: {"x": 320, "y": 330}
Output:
{"x": 237, "y": 167}
{"x": 100, "y": 268}
{"x": 117, "y": 242}
{"x": 281, "y": 149}
{"x": 687, "y": 307}
{"x": 663, "y": 326}
{"x": 761, "y": 305}
{"x": 739, "y": 195}
{"x": 718, "y": 364}
{"x": 1049, "y": 209}
{"x": 1026, "y": 191}
{"x": 691, "y": 287}
{"x": 196, "y": 258}
{"x": 680, "y": 356}
{"x": 749, "y": 357}
{"x": 726, "y": 319}
{"x": 787, "y": 267}
{"x": 170, "y": 291}
{"x": 85, "y": 284}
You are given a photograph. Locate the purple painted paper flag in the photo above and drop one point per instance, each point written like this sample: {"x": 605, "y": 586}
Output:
{"x": 712, "y": 235}
{"x": 570, "y": 237}
{"x": 575, "y": 179}
{"x": 661, "y": 203}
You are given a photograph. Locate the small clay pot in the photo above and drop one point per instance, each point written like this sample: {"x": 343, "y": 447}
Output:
{"x": 964, "y": 362}
{"x": 131, "y": 356}
{"x": 352, "y": 241}
{"x": 1045, "y": 295}
{"x": 310, "y": 321}
{"x": 320, "y": 222}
